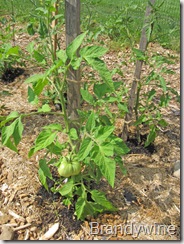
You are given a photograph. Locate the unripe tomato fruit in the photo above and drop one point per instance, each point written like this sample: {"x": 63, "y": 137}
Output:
{"x": 67, "y": 169}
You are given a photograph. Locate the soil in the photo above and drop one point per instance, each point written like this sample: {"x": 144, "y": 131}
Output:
{"x": 148, "y": 195}
{"x": 10, "y": 74}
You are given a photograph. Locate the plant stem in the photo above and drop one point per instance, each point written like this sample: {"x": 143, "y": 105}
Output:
{"x": 136, "y": 111}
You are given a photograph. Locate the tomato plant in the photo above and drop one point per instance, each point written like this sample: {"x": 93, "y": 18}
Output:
{"x": 90, "y": 152}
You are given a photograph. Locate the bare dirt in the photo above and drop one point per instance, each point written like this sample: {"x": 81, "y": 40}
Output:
{"x": 148, "y": 195}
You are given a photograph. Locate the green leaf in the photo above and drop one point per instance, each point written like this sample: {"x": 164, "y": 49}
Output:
{"x": 162, "y": 122}
{"x": 84, "y": 208}
{"x": 54, "y": 126}
{"x": 7, "y": 132}
{"x": 30, "y": 47}
{"x": 34, "y": 78}
{"x": 140, "y": 55}
{"x": 104, "y": 132}
{"x": 85, "y": 148}
{"x": 73, "y": 134}
{"x": 17, "y": 134}
{"x": 61, "y": 54}
{"x": 44, "y": 139}
{"x": 38, "y": 56}
{"x": 43, "y": 179}
{"x": 101, "y": 89}
{"x": 87, "y": 96}
{"x": 163, "y": 83}
{"x": 107, "y": 149}
{"x": 13, "y": 51}
{"x": 100, "y": 198}
{"x": 42, "y": 30}
{"x": 104, "y": 120}
{"x": 56, "y": 148}
{"x": 105, "y": 74}
{"x": 10, "y": 145}
{"x": 38, "y": 87}
{"x": 31, "y": 95}
{"x": 80, "y": 208}
{"x": 107, "y": 167}
{"x": 93, "y": 51}
{"x": 74, "y": 45}
{"x": 151, "y": 94}
{"x": 43, "y": 165}
{"x": 123, "y": 107}
{"x": 141, "y": 119}
{"x": 10, "y": 117}
{"x": 66, "y": 188}
{"x": 151, "y": 76}
{"x": 151, "y": 137}
{"x": 164, "y": 100}
{"x": 148, "y": 31}
{"x": 120, "y": 147}
{"x": 45, "y": 108}
{"x": 90, "y": 125}
{"x": 76, "y": 62}
{"x": 120, "y": 163}
{"x": 30, "y": 29}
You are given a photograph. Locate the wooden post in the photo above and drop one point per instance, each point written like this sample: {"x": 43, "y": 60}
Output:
{"x": 142, "y": 46}
{"x": 72, "y": 21}
{"x": 54, "y": 24}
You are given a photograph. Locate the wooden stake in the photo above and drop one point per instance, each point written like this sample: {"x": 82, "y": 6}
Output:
{"x": 142, "y": 46}
{"x": 54, "y": 24}
{"x": 72, "y": 18}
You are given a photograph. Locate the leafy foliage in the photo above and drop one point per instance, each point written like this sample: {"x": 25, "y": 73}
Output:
{"x": 98, "y": 151}
{"x": 91, "y": 152}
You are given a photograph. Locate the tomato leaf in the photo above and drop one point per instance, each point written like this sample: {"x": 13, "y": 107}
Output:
{"x": 74, "y": 45}
{"x": 66, "y": 188}
{"x": 73, "y": 134}
{"x": 80, "y": 208}
{"x": 100, "y": 198}
{"x": 87, "y": 96}
{"x": 104, "y": 132}
{"x": 93, "y": 51}
{"x": 43, "y": 179}
{"x": 45, "y": 108}
{"x": 99, "y": 65}
{"x": 107, "y": 167}
{"x": 85, "y": 148}
{"x": 90, "y": 125}
{"x": 44, "y": 172}
{"x": 151, "y": 137}
{"x": 44, "y": 139}
{"x": 43, "y": 165}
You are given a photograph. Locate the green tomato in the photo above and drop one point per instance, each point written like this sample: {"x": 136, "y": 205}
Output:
{"x": 67, "y": 169}
{"x": 76, "y": 168}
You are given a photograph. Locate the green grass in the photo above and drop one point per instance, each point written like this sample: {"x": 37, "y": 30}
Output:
{"x": 22, "y": 8}
{"x": 121, "y": 20}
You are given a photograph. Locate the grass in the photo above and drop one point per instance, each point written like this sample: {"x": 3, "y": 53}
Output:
{"x": 121, "y": 20}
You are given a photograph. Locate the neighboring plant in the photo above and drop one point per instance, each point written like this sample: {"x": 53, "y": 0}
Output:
{"x": 10, "y": 57}
{"x": 153, "y": 94}
{"x": 6, "y": 32}
{"x": 46, "y": 22}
